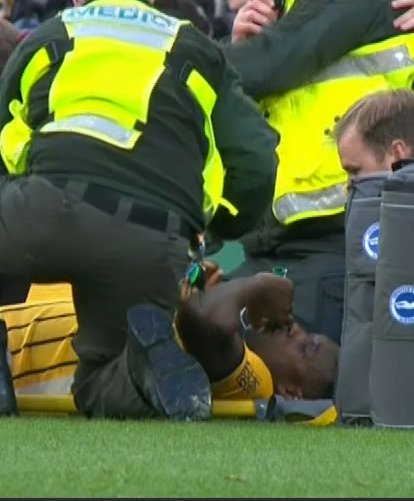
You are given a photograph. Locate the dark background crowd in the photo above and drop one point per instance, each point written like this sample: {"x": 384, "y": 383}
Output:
{"x": 213, "y": 17}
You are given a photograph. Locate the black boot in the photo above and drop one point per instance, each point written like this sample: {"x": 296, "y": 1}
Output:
{"x": 8, "y": 403}
{"x": 172, "y": 381}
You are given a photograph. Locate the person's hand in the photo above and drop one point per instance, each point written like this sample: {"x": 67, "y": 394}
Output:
{"x": 213, "y": 276}
{"x": 213, "y": 273}
{"x": 272, "y": 308}
{"x": 236, "y": 5}
{"x": 405, "y": 22}
{"x": 252, "y": 18}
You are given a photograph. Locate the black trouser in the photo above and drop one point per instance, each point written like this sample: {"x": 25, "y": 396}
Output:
{"x": 99, "y": 242}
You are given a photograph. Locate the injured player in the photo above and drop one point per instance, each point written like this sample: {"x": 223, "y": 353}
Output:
{"x": 260, "y": 359}
{"x": 241, "y": 363}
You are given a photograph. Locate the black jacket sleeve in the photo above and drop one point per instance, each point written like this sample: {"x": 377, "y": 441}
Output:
{"x": 247, "y": 147}
{"x": 12, "y": 74}
{"x": 311, "y": 36}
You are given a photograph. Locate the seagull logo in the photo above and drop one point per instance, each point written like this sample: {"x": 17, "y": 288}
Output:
{"x": 370, "y": 241}
{"x": 404, "y": 305}
{"x": 401, "y": 304}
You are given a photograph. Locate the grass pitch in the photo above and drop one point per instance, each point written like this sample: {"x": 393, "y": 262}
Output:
{"x": 77, "y": 458}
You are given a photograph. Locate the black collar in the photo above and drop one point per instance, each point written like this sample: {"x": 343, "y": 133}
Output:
{"x": 396, "y": 166}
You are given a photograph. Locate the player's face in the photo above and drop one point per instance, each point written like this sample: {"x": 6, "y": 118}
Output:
{"x": 297, "y": 357}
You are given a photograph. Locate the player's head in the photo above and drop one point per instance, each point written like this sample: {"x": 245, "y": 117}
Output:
{"x": 376, "y": 132}
{"x": 303, "y": 365}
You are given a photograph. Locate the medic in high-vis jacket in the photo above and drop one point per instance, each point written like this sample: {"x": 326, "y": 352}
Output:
{"x": 310, "y": 181}
{"x": 125, "y": 133}
{"x": 305, "y": 231}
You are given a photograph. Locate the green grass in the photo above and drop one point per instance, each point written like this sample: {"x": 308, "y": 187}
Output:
{"x": 77, "y": 458}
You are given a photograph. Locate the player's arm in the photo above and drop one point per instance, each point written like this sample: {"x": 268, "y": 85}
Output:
{"x": 218, "y": 308}
{"x": 209, "y": 327}
{"x": 267, "y": 297}
{"x": 247, "y": 147}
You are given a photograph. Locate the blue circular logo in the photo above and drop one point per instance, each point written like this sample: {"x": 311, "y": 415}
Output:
{"x": 370, "y": 241}
{"x": 402, "y": 304}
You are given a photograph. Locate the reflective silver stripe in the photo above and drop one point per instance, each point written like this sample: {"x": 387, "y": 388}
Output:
{"x": 93, "y": 123}
{"x": 147, "y": 38}
{"x": 293, "y": 204}
{"x": 378, "y": 63}
{"x": 127, "y": 24}
{"x": 58, "y": 386}
{"x": 127, "y": 16}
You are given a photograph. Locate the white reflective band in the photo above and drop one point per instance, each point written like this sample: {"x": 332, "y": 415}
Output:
{"x": 58, "y": 386}
{"x": 127, "y": 24}
{"x": 94, "y": 124}
{"x": 121, "y": 15}
{"x": 378, "y": 63}
{"x": 293, "y": 204}
{"x": 136, "y": 36}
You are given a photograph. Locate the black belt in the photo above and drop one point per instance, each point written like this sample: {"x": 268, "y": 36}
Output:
{"x": 107, "y": 200}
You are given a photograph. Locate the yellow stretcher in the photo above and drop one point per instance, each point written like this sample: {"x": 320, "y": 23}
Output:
{"x": 322, "y": 415}
{"x": 222, "y": 409}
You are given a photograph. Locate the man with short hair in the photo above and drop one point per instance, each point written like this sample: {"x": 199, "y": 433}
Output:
{"x": 374, "y": 137}
{"x": 376, "y": 132}
{"x": 339, "y": 51}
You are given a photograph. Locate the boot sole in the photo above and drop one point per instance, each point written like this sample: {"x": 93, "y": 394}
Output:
{"x": 182, "y": 386}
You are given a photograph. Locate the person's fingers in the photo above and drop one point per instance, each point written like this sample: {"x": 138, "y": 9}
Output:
{"x": 405, "y": 21}
{"x": 407, "y": 25}
{"x": 245, "y": 30}
{"x": 262, "y": 15}
{"x": 212, "y": 272}
{"x": 257, "y": 317}
{"x": 215, "y": 278}
{"x": 401, "y": 4}
{"x": 264, "y": 7}
{"x": 185, "y": 291}
{"x": 252, "y": 17}
{"x": 269, "y": 4}
{"x": 259, "y": 19}
{"x": 210, "y": 267}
